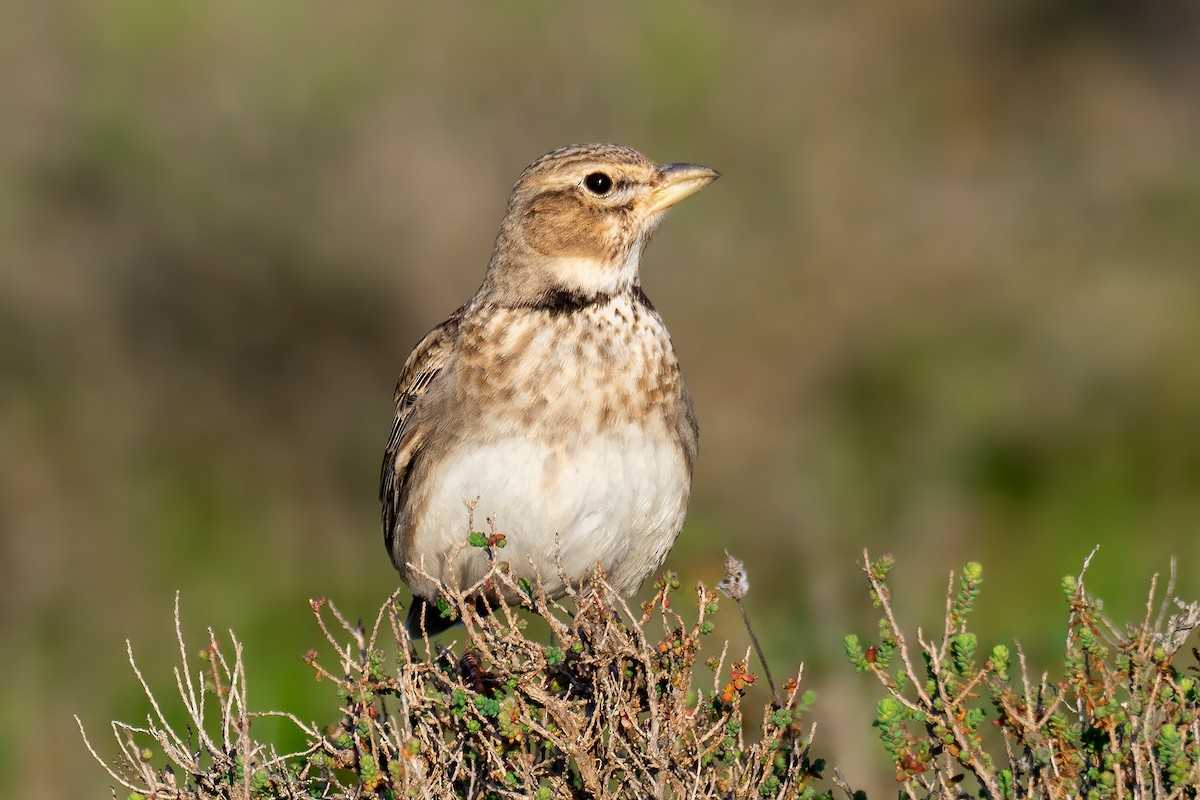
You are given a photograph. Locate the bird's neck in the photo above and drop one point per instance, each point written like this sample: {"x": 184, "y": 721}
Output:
{"x": 559, "y": 282}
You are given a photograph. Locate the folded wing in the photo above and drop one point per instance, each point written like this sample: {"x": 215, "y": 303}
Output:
{"x": 420, "y": 371}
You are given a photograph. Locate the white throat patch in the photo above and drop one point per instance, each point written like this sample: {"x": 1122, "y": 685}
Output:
{"x": 591, "y": 275}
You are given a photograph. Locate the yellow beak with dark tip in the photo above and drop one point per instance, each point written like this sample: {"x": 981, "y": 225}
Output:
{"x": 680, "y": 181}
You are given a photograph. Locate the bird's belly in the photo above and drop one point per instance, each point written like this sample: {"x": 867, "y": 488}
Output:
{"x": 615, "y": 498}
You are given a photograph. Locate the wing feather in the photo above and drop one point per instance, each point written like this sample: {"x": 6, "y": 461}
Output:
{"x": 420, "y": 371}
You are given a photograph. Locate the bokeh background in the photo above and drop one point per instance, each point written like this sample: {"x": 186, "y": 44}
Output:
{"x": 944, "y": 302}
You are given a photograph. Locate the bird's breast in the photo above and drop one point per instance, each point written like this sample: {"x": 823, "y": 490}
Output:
{"x": 596, "y": 368}
{"x": 565, "y": 435}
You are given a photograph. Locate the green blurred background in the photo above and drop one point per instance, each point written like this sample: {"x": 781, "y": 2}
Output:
{"x": 944, "y": 302}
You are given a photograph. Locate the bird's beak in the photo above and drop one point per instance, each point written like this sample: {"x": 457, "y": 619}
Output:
{"x": 679, "y": 181}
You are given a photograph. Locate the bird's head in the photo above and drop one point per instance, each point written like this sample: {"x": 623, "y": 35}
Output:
{"x": 578, "y": 219}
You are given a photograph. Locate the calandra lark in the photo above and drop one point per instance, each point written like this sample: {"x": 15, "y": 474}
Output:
{"x": 551, "y": 402}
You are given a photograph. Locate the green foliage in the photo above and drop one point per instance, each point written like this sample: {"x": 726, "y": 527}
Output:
{"x": 1120, "y": 722}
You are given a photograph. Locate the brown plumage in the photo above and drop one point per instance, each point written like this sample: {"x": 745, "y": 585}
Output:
{"x": 551, "y": 400}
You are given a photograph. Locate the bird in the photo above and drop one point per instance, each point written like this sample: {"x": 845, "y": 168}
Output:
{"x": 552, "y": 400}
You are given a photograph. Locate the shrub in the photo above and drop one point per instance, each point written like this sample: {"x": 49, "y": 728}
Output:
{"x": 1122, "y": 721}
{"x": 608, "y": 709}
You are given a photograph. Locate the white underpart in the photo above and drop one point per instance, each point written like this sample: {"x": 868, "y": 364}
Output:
{"x": 621, "y": 493}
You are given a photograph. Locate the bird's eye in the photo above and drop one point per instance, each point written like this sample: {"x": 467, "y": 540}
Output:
{"x": 598, "y": 183}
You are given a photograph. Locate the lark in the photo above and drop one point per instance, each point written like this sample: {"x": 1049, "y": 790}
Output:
{"x": 551, "y": 402}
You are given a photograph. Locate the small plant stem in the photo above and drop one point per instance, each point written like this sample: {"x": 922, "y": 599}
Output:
{"x": 762, "y": 659}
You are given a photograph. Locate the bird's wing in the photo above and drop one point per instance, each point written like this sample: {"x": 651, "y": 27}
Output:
{"x": 420, "y": 371}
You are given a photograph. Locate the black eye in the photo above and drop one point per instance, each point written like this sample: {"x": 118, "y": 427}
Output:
{"x": 598, "y": 183}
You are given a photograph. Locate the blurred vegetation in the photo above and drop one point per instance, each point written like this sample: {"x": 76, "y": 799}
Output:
{"x": 945, "y": 301}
